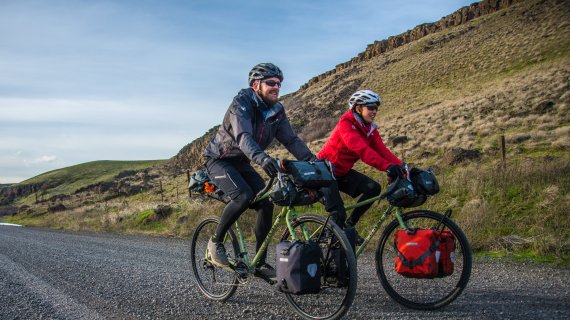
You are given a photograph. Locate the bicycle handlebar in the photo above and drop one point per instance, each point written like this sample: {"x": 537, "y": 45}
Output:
{"x": 265, "y": 189}
{"x": 391, "y": 189}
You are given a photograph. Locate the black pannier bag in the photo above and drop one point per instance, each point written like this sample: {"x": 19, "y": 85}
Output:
{"x": 424, "y": 181}
{"x": 285, "y": 194}
{"x": 298, "y": 267}
{"x": 405, "y": 196}
{"x": 309, "y": 174}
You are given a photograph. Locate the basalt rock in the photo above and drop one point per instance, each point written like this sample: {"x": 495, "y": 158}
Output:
{"x": 459, "y": 17}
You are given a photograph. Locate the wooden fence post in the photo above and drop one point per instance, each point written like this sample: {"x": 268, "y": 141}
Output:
{"x": 161, "y": 192}
{"x": 188, "y": 183}
{"x": 503, "y": 153}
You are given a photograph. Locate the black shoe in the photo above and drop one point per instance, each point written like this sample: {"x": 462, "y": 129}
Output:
{"x": 358, "y": 240}
{"x": 266, "y": 271}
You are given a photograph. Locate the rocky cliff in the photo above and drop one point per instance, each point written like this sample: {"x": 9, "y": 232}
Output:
{"x": 457, "y": 18}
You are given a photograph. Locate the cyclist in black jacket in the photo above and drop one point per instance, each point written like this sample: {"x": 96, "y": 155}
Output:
{"x": 254, "y": 118}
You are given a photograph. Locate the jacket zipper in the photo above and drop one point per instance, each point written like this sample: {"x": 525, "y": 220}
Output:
{"x": 261, "y": 135}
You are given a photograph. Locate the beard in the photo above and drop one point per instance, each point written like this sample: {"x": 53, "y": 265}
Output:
{"x": 270, "y": 101}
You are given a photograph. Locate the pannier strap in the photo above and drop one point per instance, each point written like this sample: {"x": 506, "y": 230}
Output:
{"x": 285, "y": 251}
{"x": 419, "y": 261}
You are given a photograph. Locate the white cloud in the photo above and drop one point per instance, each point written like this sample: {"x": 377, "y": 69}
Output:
{"x": 135, "y": 80}
{"x": 41, "y": 160}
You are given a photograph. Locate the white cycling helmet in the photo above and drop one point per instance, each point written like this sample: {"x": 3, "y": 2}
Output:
{"x": 364, "y": 97}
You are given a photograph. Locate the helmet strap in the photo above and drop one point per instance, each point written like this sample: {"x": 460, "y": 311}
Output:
{"x": 356, "y": 110}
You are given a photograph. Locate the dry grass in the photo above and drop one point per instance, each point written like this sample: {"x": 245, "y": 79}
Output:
{"x": 527, "y": 201}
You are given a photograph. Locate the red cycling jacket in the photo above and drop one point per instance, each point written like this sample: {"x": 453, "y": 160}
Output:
{"x": 353, "y": 140}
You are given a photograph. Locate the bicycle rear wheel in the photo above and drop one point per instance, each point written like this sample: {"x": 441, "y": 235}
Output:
{"x": 416, "y": 293}
{"x": 215, "y": 283}
{"x": 337, "y": 294}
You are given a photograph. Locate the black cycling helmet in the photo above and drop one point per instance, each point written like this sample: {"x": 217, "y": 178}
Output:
{"x": 263, "y": 71}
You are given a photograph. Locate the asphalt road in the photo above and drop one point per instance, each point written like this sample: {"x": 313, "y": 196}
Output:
{"x": 48, "y": 274}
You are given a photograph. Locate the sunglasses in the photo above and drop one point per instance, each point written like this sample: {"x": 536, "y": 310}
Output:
{"x": 371, "y": 107}
{"x": 272, "y": 83}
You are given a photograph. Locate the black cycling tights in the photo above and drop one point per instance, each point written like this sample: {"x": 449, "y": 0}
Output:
{"x": 235, "y": 208}
{"x": 368, "y": 189}
{"x": 354, "y": 184}
{"x": 241, "y": 183}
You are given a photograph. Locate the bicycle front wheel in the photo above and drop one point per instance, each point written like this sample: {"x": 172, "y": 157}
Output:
{"x": 421, "y": 293}
{"x": 338, "y": 270}
{"x": 215, "y": 283}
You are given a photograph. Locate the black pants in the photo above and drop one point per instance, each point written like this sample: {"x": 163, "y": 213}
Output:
{"x": 238, "y": 179}
{"x": 354, "y": 184}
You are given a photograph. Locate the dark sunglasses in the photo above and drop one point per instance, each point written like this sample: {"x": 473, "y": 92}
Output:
{"x": 371, "y": 107}
{"x": 272, "y": 83}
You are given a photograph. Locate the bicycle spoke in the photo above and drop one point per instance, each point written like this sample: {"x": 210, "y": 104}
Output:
{"x": 214, "y": 282}
{"x": 421, "y": 293}
{"x": 336, "y": 294}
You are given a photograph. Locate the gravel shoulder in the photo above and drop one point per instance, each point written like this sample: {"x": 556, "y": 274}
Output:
{"x": 50, "y": 274}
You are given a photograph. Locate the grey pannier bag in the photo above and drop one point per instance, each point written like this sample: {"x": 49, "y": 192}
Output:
{"x": 298, "y": 267}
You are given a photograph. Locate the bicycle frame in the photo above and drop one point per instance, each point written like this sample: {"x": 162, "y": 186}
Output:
{"x": 378, "y": 224}
{"x": 287, "y": 213}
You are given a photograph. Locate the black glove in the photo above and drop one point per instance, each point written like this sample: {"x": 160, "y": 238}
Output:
{"x": 270, "y": 166}
{"x": 395, "y": 171}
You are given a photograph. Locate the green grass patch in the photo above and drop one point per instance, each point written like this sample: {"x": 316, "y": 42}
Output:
{"x": 69, "y": 179}
{"x": 527, "y": 256}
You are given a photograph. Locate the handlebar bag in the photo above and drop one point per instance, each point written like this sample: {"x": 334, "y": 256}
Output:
{"x": 286, "y": 194}
{"x": 415, "y": 253}
{"x": 424, "y": 181}
{"x": 309, "y": 174}
{"x": 298, "y": 267}
{"x": 405, "y": 195}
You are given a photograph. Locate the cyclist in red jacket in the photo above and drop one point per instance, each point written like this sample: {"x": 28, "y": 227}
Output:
{"x": 356, "y": 137}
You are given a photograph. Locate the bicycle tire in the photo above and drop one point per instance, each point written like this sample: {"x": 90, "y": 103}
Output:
{"x": 215, "y": 283}
{"x": 334, "y": 300}
{"x": 423, "y": 294}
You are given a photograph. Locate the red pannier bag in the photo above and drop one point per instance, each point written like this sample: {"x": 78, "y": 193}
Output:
{"x": 445, "y": 254}
{"x": 415, "y": 250}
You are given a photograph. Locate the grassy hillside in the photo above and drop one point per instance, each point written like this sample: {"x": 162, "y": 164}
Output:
{"x": 503, "y": 73}
{"x": 68, "y": 180}
{"x": 448, "y": 95}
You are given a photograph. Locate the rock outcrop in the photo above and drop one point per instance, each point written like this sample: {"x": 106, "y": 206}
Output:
{"x": 459, "y": 17}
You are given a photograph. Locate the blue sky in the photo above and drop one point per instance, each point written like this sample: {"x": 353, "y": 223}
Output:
{"x": 137, "y": 80}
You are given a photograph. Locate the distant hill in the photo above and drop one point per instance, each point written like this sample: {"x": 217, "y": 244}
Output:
{"x": 69, "y": 180}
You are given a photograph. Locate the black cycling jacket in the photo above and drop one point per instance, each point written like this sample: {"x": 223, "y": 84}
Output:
{"x": 250, "y": 126}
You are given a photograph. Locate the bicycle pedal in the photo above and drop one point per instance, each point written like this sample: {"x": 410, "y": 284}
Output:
{"x": 263, "y": 277}
{"x": 241, "y": 271}
{"x": 207, "y": 264}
